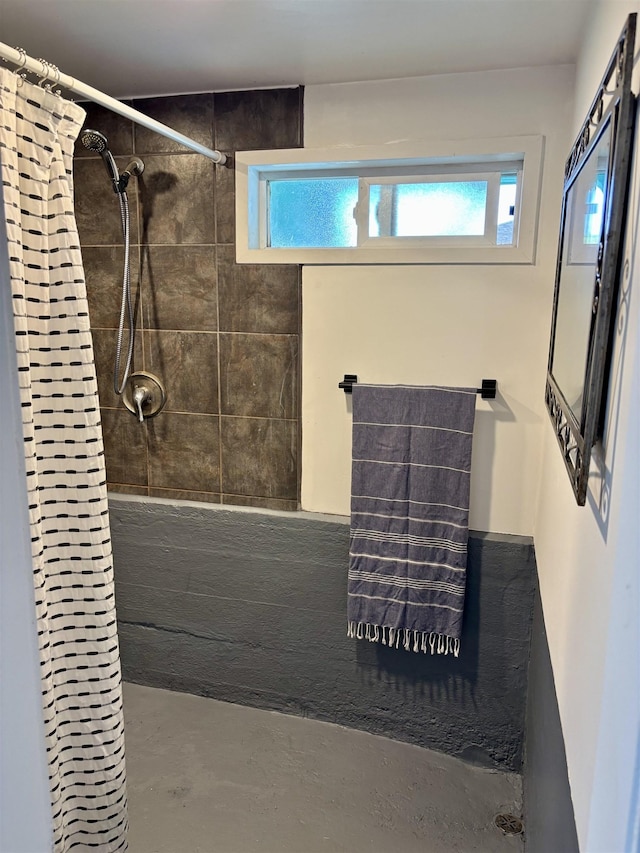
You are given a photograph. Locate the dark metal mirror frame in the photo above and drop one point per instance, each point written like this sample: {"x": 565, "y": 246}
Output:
{"x": 614, "y": 103}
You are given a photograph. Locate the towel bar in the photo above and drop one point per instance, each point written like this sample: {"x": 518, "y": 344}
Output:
{"x": 487, "y": 390}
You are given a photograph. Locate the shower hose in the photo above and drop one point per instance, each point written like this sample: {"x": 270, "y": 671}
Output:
{"x": 126, "y": 308}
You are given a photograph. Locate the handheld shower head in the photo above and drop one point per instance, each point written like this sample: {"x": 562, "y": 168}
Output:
{"x": 93, "y": 140}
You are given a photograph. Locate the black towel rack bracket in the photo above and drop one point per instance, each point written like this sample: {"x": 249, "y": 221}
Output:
{"x": 348, "y": 382}
{"x": 487, "y": 390}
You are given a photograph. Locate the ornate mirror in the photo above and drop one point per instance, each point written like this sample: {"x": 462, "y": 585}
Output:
{"x": 588, "y": 269}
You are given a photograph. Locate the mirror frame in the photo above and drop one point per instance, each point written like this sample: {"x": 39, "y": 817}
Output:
{"x": 614, "y": 103}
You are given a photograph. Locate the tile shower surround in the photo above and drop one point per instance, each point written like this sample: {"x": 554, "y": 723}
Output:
{"x": 223, "y": 337}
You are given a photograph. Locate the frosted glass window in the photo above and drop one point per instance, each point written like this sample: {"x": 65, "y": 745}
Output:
{"x": 506, "y": 209}
{"x": 364, "y": 208}
{"x": 313, "y": 213}
{"x": 433, "y": 209}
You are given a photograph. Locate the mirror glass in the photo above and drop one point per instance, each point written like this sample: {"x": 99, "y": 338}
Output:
{"x": 582, "y": 236}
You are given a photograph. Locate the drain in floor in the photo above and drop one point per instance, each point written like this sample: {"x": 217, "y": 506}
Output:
{"x": 509, "y": 824}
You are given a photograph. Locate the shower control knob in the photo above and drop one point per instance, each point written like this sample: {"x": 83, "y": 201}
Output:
{"x": 140, "y": 396}
{"x": 144, "y": 395}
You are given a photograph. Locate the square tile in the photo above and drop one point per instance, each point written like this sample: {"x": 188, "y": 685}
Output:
{"x": 187, "y": 364}
{"x": 183, "y": 495}
{"x": 176, "y": 199}
{"x": 260, "y": 503}
{"x": 103, "y": 268}
{"x": 259, "y": 375}
{"x": 120, "y": 489}
{"x": 191, "y": 115}
{"x": 97, "y": 209}
{"x": 257, "y": 297}
{"x": 265, "y": 118}
{"x": 226, "y": 204}
{"x": 125, "y": 447}
{"x": 184, "y": 452}
{"x": 179, "y": 287}
{"x": 259, "y": 457}
{"x": 104, "y": 352}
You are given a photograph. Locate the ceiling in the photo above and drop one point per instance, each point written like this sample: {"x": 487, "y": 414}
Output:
{"x": 154, "y": 47}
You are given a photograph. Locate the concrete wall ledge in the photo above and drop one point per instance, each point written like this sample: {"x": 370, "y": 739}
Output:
{"x": 116, "y": 499}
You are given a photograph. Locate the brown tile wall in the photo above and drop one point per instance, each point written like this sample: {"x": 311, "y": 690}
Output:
{"x": 223, "y": 337}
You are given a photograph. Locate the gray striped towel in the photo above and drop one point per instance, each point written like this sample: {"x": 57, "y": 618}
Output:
{"x": 410, "y": 515}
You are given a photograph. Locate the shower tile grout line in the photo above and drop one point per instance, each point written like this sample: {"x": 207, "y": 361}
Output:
{"x": 216, "y": 267}
{"x": 113, "y": 486}
{"x": 216, "y": 202}
{"x": 220, "y": 460}
{"x": 161, "y": 245}
{"x": 91, "y": 157}
{"x": 202, "y": 332}
{"x": 209, "y": 415}
{"x": 141, "y": 260}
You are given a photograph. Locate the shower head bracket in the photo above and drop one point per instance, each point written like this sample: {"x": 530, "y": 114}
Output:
{"x": 134, "y": 168}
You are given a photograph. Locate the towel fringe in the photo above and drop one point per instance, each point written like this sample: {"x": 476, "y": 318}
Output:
{"x": 423, "y": 641}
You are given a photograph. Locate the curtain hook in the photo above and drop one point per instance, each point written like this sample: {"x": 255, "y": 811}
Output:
{"x": 23, "y": 58}
{"x": 56, "y": 82}
{"x": 23, "y": 62}
{"x": 45, "y": 72}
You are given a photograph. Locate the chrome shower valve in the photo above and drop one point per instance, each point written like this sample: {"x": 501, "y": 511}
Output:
{"x": 144, "y": 395}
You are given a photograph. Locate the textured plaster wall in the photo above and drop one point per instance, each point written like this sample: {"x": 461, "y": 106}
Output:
{"x": 250, "y": 607}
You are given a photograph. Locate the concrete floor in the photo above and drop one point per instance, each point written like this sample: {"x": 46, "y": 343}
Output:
{"x": 210, "y": 777}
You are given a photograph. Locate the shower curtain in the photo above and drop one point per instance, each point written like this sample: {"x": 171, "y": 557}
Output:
{"x": 68, "y": 516}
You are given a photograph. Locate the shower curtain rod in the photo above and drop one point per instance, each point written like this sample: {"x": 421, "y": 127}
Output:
{"x": 54, "y": 77}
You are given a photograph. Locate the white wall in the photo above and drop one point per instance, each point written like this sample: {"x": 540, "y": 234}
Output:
{"x": 589, "y": 557}
{"x": 438, "y": 324}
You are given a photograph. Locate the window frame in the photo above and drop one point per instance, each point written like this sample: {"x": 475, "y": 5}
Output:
{"x": 492, "y": 180}
{"x": 375, "y": 163}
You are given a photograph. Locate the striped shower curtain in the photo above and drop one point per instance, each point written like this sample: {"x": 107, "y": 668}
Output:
{"x": 71, "y": 547}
